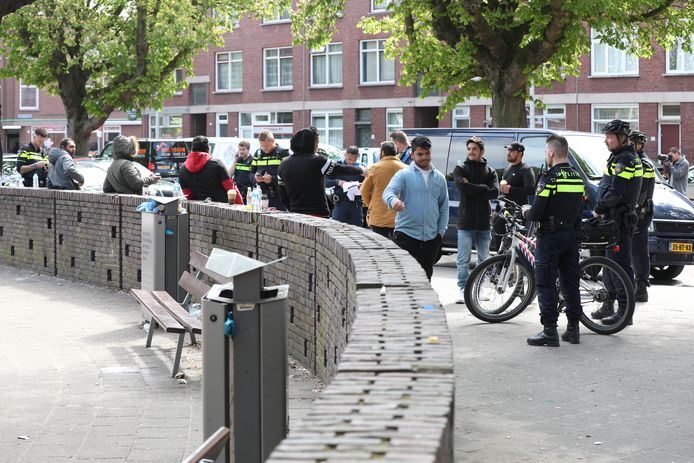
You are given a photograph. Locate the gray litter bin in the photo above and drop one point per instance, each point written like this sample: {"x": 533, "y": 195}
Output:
{"x": 244, "y": 383}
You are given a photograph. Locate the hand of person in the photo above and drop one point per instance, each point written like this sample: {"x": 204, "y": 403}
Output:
{"x": 41, "y": 165}
{"x": 340, "y": 183}
{"x": 505, "y": 188}
{"x": 267, "y": 178}
{"x": 596, "y": 215}
{"x": 259, "y": 178}
{"x": 156, "y": 178}
{"x": 364, "y": 171}
{"x": 398, "y": 205}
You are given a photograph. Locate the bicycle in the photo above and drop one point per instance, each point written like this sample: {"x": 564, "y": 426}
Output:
{"x": 503, "y": 286}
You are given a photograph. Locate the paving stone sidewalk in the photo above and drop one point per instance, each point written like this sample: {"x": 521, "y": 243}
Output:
{"x": 77, "y": 383}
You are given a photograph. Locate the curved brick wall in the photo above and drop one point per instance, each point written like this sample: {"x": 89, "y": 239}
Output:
{"x": 390, "y": 395}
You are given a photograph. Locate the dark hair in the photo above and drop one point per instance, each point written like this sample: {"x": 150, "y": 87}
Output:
{"x": 245, "y": 143}
{"x": 674, "y": 149}
{"x": 64, "y": 142}
{"x": 398, "y": 136}
{"x": 352, "y": 150}
{"x": 40, "y": 132}
{"x": 477, "y": 141}
{"x": 388, "y": 148}
{"x": 559, "y": 145}
{"x": 421, "y": 142}
{"x": 314, "y": 131}
{"x": 200, "y": 144}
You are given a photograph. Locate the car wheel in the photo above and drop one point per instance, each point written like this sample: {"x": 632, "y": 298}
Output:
{"x": 666, "y": 272}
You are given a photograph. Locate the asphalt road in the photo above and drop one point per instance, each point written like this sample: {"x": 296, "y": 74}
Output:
{"x": 626, "y": 397}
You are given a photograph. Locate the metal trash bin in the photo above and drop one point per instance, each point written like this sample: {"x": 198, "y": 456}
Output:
{"x": 244, "y": 359}
{"x": 165, "y": 248}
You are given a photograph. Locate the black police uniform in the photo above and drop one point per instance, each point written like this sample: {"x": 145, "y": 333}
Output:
{"x": 557, "y": 207}
{"x": 344, "y": 209}
{"x": 618, "y": 193}
{"x": 242, "y": 174}
{"x": 28, "y": 155}
{"x": 268, "y": 163}
{"x": 639, "y": 244}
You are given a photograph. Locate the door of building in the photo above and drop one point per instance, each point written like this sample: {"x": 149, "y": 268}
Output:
{"x": 669, "y": 137}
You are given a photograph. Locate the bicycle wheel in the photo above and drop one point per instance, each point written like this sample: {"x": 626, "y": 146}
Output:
{"x": 496, "y": 292}
{"x": 594, "y": 293}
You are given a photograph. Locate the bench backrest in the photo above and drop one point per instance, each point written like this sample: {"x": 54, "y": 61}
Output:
{"x": 198, "y": 261}
{"x": 194, "y": 286}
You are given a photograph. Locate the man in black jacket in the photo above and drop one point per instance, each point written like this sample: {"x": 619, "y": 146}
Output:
{"x": 202, "y": 177}
{"x": 477, "y": 183}
{"x": 301, "y": 176}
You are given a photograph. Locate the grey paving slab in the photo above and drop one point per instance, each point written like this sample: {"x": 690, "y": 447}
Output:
{"x": 77, "y": 380}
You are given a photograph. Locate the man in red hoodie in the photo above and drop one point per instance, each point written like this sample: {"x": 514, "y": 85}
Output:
{"x": 203, "y": 177}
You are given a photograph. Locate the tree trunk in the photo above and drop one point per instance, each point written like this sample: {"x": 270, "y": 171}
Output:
{"x": 508, "y": 102}
{"x": 80, "y": 126}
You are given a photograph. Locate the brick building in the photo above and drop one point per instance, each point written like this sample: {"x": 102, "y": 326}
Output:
{"x": 259, "y": 80}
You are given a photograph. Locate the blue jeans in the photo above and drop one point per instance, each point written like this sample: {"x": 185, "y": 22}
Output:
{"x": 466, "y": 238}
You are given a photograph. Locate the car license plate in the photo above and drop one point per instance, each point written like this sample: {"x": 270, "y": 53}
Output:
{"x": 681, "y": 247}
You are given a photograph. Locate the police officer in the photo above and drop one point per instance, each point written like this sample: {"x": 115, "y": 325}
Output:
{"x": 644, "y": 209}
{"x": 618, "y": 193}
{"x": 31, "y": 159}
{"x": 347, "y": 210}
{"x": 240, "y": 168}
{"x": 264, "y": 167}
{"x": 557, "y": 208}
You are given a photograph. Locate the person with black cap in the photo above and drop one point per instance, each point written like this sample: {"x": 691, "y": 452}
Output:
{"x": 301, "y": 176}
{"x": 618, "y": 193}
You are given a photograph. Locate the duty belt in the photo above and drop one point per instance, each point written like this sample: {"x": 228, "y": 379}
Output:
{"x": 554, "y": 225}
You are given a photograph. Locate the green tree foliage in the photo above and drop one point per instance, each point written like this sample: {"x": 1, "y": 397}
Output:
{"x": 7, "y": 7}
{"x": 105, "y": 55}
{"x": 498, "y": 48}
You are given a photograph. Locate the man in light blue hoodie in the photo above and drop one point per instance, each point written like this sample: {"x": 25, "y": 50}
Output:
{"x": 419, "y": 194}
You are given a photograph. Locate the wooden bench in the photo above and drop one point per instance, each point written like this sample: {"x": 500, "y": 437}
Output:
{"x": 173, "y": 317}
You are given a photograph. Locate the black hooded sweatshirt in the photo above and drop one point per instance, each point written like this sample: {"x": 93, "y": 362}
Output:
{"x": 301, "y": 176}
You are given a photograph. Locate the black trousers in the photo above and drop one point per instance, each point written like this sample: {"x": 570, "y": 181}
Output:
{"x": 557, "y": 255}
{"x": 639, "y": 249}
{"x": 384, "y": 231}
{"x": 424, "y": 252}
{"x": 623, "y": 258}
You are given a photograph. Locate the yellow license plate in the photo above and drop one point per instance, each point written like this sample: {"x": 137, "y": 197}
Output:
{"x": 681, "y": 247}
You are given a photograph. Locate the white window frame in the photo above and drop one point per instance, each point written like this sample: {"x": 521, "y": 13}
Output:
{"x": 278, "y": 18}
{"x": 544, "y": 118}
{"x": 325, "y": 51}
{"x": 380, "y": 49}
{"x": 634, "y": 122}
{"x": 221, "y": 119}
{"x": 229, "y": 61}
{"x": 460, "y": 113}
{"x": 669, "y": 117}
{"x": 392, "y": 127}
{"x": 622, "y": 72}
{"x": 325, "y": 131}
{"x": 681, "y": 55}
{"x": 177, "y": 80}
{"x": 278, "y": 62}
{"x": 164, "y": 121}
{"x": 233, "y": 19}
{"x": 381, "y": 6}
{"x": 23, "y": 88}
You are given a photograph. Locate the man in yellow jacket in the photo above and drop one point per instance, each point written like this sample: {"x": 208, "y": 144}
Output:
{"x": 379, "y": 217}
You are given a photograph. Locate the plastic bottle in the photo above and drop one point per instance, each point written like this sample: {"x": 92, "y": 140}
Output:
{"x": 176, "y": 189}
{"x": 36, "y": 180}
{"x": 249, "y": 198}
{"x": 256, "y": 198}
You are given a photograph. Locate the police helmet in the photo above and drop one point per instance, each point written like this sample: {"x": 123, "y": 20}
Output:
{"x": 638, "y": 137}
{"x": 617, "y": 127}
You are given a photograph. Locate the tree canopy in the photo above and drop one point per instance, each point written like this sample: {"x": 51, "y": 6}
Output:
{"x": 498, "y": 48}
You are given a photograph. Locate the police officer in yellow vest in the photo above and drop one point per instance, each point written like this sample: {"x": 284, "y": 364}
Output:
{"x": 240, "y": 168}
{"x": 266, "y": 161}
{"x": 32, "y": 159}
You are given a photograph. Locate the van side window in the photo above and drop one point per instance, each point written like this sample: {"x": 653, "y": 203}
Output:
{"x": 439, "y": 151}
{"x": 534, "y": 152}
{"x": 494, "y": 153}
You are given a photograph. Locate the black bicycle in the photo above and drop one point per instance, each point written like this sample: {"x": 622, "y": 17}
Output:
{"x": 503, "y": 286}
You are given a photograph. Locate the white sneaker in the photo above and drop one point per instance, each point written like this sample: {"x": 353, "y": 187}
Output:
{"x": 461, "y": 297}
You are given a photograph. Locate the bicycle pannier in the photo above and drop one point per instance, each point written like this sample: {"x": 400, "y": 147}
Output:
{"x": 599, "y": 233}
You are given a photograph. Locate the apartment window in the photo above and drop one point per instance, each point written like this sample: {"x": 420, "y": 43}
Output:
{"x": 679, "y": 61}
{"x": 279, "y": 16}
{"x": 28, "y": 96}
{"x": 245, "y": 125}
{"x": 552, "y": 117}
{"x": 610, "y": 61}
{"x": 326, "y": 65}
{"x": 375, "y": 68}
{"x": 329, "y": 125}
{"x": 229, "y": 71}
{"x": 222, "y": 124}
{"x": 379, "y": 6}
{"x": 602, "y": 114}
{"x": 393, "y": 120}
{"x": 461, "y": 117}
{"x": 277, "y": 68}
{"x": 178, "y": 78}
{"x": 280, "y": 123}
{"x": 233, "y": 19}
{"x": 670, "y": 112}
{"x": 198, "y": 94}
{"x": 165, "y": 125}
{"x": 488, "y": 116}
{"x": 363, "y": 127}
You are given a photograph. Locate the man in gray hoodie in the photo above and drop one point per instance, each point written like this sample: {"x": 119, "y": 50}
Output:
{"x": 122, "y": 175}
{"x": 63, "y": 174}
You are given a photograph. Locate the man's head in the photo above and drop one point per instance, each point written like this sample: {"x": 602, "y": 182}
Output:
{"x": 124, "y": 147}
{"x": 316, "y": 133}
{"x": 639, "y": 139}
{"x": 556, "y": 150}
{"x": 675, "y": 154}
{"x": 351, "y": 155}
{"x": 514, "y": 153}
{"x": 399, "y": 138}
{"x": 200, "y": 144}
{"x": 616, "y": 134}
{"x": 68, "y": 144}
{"x": 421, "y": 152}
{"x": 475, "y": 148}
{"x": 266, "y": 140}
{"x": 39, "y": 137}
{"x": 244, "y": 148}
{"x": 388, "y": 149}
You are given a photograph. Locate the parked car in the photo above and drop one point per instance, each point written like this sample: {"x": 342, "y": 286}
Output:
{"x": 8, "y": 174}
{"x": 672, "y": 231}
{"x": 161, "y": 156}
{"x": 369, "y": 156}
{"x": 690, "y": 184}
{"x": 94, "y": 172}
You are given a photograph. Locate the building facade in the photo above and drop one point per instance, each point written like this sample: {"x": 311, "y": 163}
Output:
{"x": 348, "y": 90}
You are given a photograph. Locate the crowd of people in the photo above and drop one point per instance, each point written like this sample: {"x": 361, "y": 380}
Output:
{"x": 406, "y": 199}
